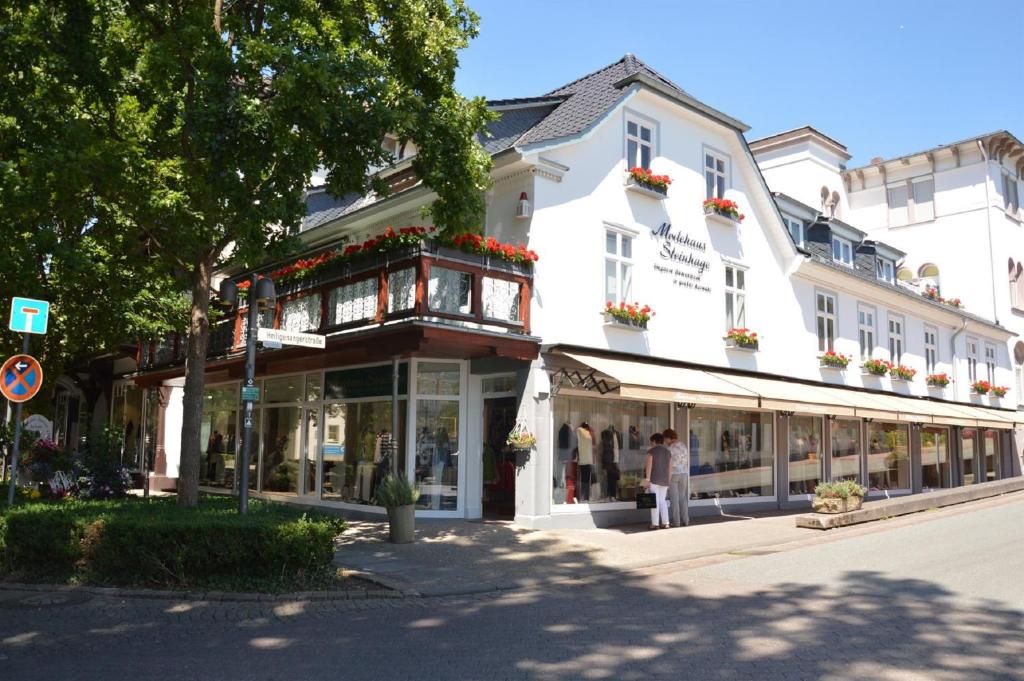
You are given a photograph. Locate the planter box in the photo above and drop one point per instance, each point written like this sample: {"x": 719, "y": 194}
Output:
{"x": 653, "y": 192}
{"x": 822, "y": 365}
{"x": 836, "y": 505}
{"x": 610, "y": 320}
{"x": 871, "y": 374}
{"x": 939, "y": 388}
{"x": 402, "y": 524}
{"x": 731, "y": 344}
{"x": 714, "y": 216}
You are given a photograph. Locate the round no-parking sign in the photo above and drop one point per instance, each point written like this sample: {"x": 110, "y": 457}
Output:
{"x": 20, "y": 378}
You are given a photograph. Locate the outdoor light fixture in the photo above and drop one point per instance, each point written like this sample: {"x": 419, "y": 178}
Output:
{"x": 523, "y": 210}
{"x": 228, "y": 294}
{"x": 265, "y": 292}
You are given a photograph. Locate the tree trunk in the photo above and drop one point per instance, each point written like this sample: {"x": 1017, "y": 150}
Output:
{"x": 195, "y": 369}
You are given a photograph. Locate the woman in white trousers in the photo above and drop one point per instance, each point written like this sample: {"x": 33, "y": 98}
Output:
{"x": 679, "y": 480}
{"x": 656, "y": 479}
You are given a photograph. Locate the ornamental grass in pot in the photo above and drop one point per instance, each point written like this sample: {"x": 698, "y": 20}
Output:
{"x": 398, "y": 496}
{"x": 838, "y": 497}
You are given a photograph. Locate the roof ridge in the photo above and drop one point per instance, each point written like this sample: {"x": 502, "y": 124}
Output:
{"x": 590, "y": 75}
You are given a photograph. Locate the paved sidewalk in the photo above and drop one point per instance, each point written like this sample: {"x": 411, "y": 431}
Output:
{"x": 464, "y": 557}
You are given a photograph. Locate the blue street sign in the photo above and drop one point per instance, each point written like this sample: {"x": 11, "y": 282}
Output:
{"x": 20, "y": 378}
{"x": 29, "y": 316}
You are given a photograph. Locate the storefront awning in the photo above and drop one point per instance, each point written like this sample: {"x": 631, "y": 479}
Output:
{"x": 660, "y": 382}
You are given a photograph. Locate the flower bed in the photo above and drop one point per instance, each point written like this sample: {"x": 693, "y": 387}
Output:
{"x": 645, "y": 178}
{"x": 876, "y": 367}
{"x": 981, "y": 387}
{"x": 834, "y": 360}
{"x": 632, "y": 315}
{"x": 725, "y": 208}
{"x": 937, "y": 380}
{"x": 742, "y": 338}
{"x": 902, "y": 372}
{"x": 932, "y": 293}
{"x": 391, "y": 240}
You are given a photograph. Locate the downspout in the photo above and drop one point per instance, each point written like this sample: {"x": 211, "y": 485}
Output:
{"x": 988, "y": 220}
{"x": 952, "y": 349}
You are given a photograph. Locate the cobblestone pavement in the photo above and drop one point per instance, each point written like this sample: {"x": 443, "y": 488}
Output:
{"x": 888, "y": 605}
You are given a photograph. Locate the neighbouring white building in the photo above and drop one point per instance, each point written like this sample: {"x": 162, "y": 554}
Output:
{"x": 435, "y": 352}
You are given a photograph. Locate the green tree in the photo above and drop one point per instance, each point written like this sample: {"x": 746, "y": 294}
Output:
{"x": 215, "y": 114}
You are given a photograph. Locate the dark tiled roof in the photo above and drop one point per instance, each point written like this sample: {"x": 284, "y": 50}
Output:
{"x": 322, "y": 207}
{"x": 513, "y": 124}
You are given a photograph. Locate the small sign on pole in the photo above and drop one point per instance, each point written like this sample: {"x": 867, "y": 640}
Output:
{"x": 250, "y": 393}
{"x": 20, "y": 378}
{"x": 29, "y": 315}
{"x": 308, "y": 340}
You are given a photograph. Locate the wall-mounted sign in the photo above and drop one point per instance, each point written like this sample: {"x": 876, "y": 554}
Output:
{"x": 683, "y": 258}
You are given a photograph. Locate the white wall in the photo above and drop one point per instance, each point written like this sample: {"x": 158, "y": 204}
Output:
{"x": 172, "y": 431}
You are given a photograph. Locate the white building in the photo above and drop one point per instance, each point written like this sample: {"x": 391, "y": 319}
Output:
{"x": 434, "y": 354}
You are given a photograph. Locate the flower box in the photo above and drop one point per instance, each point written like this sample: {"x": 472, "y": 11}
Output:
{"x": 723, "y": 211}
{"x": 631, "y": 324}
{"x": 838, "y": 497}
{"x": 902, "y": 373}
{"x": 742, "y": 339}
{"x": 876, "y": 368}
{"x": 645, "y": 190}
{"x": 644, "y": 181}
{"x": 999, "y": 391}
{"x": 836, "y": 505}
{"x": 833, "y": 360}
{"x": 937, "y": 381}
{"x": 633, "y": 316}
{"x": 981, "y": 387}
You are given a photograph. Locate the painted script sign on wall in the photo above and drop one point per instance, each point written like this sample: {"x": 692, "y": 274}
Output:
{"x": 683, "y": 258}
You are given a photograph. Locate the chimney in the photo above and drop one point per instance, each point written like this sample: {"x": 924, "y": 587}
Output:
{"x": 876, "y": 161}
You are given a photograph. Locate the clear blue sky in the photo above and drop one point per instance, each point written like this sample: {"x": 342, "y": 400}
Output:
{"x": 883, "y": 78}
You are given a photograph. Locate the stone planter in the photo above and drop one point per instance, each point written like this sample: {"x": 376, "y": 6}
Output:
{"x": 402, "y": 524}
{"x": 611, "y": 320}
{"x": 646, "y": 190}
{"x": 836, "y": 505}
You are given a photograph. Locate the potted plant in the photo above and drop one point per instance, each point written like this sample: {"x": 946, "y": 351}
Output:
{"x": 838, "y": 497}
{"x": 1000, "y": 390}
{"x": 932, "y": 293}
{"x": 876, "y": 367}
{"x": 834, "y": 360}
{"x": 634, "y": 315}
{"x": 398, "y": 496}
{"x": 902, "y": 373}
{"x": 741, "y": 338}
{"x": 725, "y": 208}
{"x": 981, "y": 387}
{"x": 521, "y": 439}
{"x": 937, "y": 380}
{"x": 643, "y": 177}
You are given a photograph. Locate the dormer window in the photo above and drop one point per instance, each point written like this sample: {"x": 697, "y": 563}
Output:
{"x": 639, "y": 143}
{"x": 796, "y": 229}
{"x": 842, "y": 251}
{"x": 885, "y": 270}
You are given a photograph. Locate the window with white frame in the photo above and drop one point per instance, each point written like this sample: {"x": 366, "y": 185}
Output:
{"x": 716, "y": 169}
{"x": 922, "y": 194}
{"x": 885, "y": 270}
{"x": 842, "y": 251}
{"x": 866, "y": 330}
{"x": 639, "y": 143}
{"x": 1011, "y": 198}
{"x": 990, "y": 362}
{"x": 931, "y": 348}
{"x": 898, "y": 211}
{"x": 825, "y": 313}
{"x": 972, "y": 359}
{"x": 735, "y": 297}
{"x": 896, "y": 341}
{"x": 618, "y": 266}
{"x": 796, "y": 229}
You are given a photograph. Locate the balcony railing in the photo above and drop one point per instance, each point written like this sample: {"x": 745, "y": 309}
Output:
{"x": 429, "y": 282}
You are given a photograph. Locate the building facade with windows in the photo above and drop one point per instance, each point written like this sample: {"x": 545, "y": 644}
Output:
{"x": 437, "y": 350}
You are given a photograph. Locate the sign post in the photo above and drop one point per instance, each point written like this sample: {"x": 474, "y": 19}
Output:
{"x": 21, "y": 376}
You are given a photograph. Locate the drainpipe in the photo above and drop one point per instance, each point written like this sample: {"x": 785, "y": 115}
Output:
{"x": 988, "y": 219}
{"x": 952, "y": 349}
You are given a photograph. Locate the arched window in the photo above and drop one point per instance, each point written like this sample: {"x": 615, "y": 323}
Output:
{"x": 929, "y": 276}
{"x": 1015, "y": 270}
{"x": 905, "y": 274}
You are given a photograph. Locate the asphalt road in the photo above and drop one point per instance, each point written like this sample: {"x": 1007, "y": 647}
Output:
{"x": 939, "y": 600}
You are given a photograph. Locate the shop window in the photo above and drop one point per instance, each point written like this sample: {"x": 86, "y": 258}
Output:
{"x": 401, "y": 290}
{"x": 639, "y": 143}
{"x": 301, "y": 314}
{"x": 450, "y": 291}
{"x": 501, "y": 299}
{"x": 438, "y": 387}
{"x": 897, "y": 341}
{"x": 349, "y": 384}
{"x": 866, "y": 330}
{"x": 825, "y": 314}
{"x": 219, "y": 435}
{"x": 931, "y": 349}
{"x": 735, "y": 297}
{"x": 990, "y": 442}
{"x": 281, "y": 451}
{"x": 618, "y": 266}
{"x": 601, "y": 447}
{"x": 888, "y": 456}
{"x": 972, "y": 359}
{"x": 935, "y": 462}
{"x": 353, "y": 302}
{"x": 805, "y": 462}
{"x": 716, "y": 173}
{"x": 499, "y": 384}
{"x": 283, "y": 389}
{"x": 732, "y": 453}
{"x": 359, "y": 449}
{"x": 846, "y": 448}
{"x": 968, "y": 440}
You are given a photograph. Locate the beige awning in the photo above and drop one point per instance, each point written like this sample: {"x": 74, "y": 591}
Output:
{"x": 984, "y": 417}
{"x": 786, "y": 396}
{"x": 639, "y": 380}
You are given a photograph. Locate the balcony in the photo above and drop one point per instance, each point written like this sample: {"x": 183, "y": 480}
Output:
{"x": 429, "y": 283}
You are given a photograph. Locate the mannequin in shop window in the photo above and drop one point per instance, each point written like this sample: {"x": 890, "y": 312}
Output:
{"x": 611, "y": 445}
{"x": 564, "y": 471}
{"x": 585, "y": 461}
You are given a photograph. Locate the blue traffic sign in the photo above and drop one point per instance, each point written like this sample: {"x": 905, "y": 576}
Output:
{"x": 20, "y": 378}
{"x": 29, "y": 316}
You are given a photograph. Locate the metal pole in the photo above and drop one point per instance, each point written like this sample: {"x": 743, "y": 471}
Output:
{"x": 394, "y": 415}
{"x": 242, "y": 460}
{"x": 17, "y": 438}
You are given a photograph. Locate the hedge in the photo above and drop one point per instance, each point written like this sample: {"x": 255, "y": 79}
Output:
{"x": 156, "y": 544}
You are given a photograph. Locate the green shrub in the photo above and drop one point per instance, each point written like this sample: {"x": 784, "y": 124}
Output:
{"x": 394, "y": 491}
{"x": 843, "y": 489}
{"x": 157, "y": 544}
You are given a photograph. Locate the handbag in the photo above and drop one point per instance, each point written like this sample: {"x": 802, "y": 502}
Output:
{"x": 646, "y": 500}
